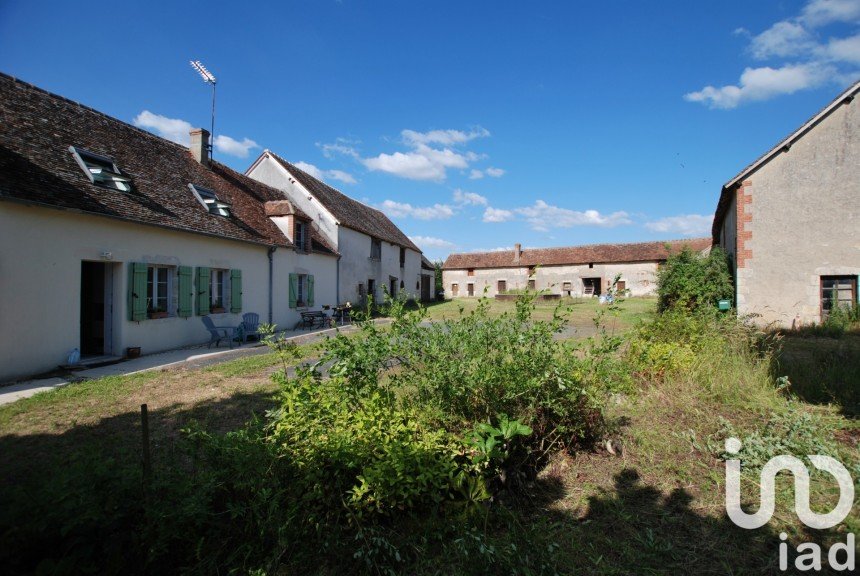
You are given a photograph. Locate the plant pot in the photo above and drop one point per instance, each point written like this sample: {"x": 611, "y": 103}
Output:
{"x": 218, "y": 310}
{"x": 154, "y": 315}
{"x": 132, "y": 352}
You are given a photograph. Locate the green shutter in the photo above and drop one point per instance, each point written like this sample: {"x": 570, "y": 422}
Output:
{"x": 294, "y": 289}
{"x": 137, "y": 291}
{"x": 186, "y": 292}
{"x": 235, "y": 291}
{"x": 310, "y": 290}
{"x": 203, "y": 279}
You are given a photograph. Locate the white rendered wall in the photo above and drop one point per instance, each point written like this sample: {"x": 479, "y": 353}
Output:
{"x": 41, "y": 251}
{"x": 357, "y": 267}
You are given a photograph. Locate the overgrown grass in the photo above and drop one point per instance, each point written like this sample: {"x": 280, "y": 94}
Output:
{"x": 654, "y": 505}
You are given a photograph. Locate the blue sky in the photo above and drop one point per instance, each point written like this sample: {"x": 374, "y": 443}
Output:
{"x": 474, "y": 125}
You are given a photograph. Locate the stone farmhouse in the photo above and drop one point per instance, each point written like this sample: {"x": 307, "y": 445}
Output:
{"x": 790, "y": 221}
{"x": 571, "y": 271}
{"x": 111, "y": 237}
{"x": 375, "y": 256}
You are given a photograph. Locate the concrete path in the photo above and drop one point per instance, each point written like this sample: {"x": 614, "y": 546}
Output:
{"x": 190, "y": 357}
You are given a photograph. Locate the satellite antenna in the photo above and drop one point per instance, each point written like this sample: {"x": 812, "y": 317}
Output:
{"x": 209, "y": 79}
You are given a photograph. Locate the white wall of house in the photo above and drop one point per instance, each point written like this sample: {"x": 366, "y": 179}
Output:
{"x": 356, "y": 266}
{"x": 41, "y": 251}
{"x": 805, "y": 222}
{"x": 270, "y": 171}
{"x": 639, "y": 277}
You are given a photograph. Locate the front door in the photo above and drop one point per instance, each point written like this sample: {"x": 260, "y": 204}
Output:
{"x": 425, "y": 288}
{"x": 96, "y": 308}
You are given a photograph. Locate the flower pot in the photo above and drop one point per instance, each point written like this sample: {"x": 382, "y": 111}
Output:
{"x": 154, "y": 315}
{"x": 132, "y": 351}
{"x": 218, "y": 310}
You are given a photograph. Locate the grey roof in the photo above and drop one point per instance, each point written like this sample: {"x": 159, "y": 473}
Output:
{"x": 348, "y": 212}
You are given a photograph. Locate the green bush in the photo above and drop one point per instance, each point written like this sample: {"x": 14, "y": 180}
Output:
{"x": 691, "y": 281}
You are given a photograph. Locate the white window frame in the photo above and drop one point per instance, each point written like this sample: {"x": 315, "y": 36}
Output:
{"x": 210, "y": 201}
{"x": 101, "y": 170}
{"x": 302, "y": 290}
{"x": 159, "y": 274}
{"x": 219, "y": 285}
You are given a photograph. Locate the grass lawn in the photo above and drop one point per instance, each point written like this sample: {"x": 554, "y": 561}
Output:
{"x": 581, "y": 310}
{"x": 656, "y": 506}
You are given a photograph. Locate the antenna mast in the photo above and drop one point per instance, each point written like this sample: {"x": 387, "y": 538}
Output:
{"x": 209, "y": 78}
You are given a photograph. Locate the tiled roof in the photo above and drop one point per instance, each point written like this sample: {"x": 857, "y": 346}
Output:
{"x": 727, "y": 192}
{"x": 571, "y": 255}
{"x": 36, "y": 167}
{"x": 348, "y": 212}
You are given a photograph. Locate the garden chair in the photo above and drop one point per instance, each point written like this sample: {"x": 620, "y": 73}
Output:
{"x": 250, "y": 326}
{"x": 218, "y": 333}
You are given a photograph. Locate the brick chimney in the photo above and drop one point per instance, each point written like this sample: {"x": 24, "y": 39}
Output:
{"x": 517, "y": 252}
{"x": 200, "y": 145}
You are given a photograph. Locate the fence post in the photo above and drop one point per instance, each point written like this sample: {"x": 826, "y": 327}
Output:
{"x": 144, "y": 426}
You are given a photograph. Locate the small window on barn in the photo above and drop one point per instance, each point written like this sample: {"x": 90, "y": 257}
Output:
{"x": 209, "y": 200}
{"x": 402, "y": 257}
{"x": 101, "y": 170}
{"x": 470, "y": 272}
{"x": 837, "y": 291}
{"x": 375, "y": 249}
{"x": 591, "y": 265}
{"x": 300, "y": 235}
{"x": 531, "y": 270}
{"x": 502, "y": 287}
{"x": 532, "y": 284}
{"x": 455, "y": 289}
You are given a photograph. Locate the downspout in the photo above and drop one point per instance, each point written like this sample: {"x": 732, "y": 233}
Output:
{"x": 271, "y": 279}
{"x": 337, "y": 281}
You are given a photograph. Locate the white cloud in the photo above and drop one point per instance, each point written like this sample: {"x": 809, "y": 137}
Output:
{"x": 496, "y": 249}
{"x": 542, "y": 216}
{"x": 177, "y": 130}
{"x": 685, "y": 225}
{"x": 844, "y": 49}
{"x": 341, "y": 176}
{"x": 233, "y": 147}
{"x": 320, "y": 174}
{"x": 494, "y": 172}
{"x": 426, "y": 162}
{"x": 423, "y": 163}
{"x": 497, "y": 215}
{"x": 475, "y": 175}
{"x": 803, "y": 61}
{"x": 443, "y": 137}
{"x": 172, "y": 129}
{"x": 401, "y": 210}
{"x": 340, "y": 146}
{"x": 425, "y": 242}
{"x": 821, "y": 12}
{"x": 763, "y": 84}
{"x": 782, "y": 39}
{"x": 463, "y": 198}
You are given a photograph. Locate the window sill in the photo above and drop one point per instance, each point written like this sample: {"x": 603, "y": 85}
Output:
{"x": 217, "y": 310}
{"x": 157, "y": 315}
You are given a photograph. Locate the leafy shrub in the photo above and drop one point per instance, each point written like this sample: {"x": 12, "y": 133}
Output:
{"x": 793, "y": 432}
{"x": 691, "y": 281}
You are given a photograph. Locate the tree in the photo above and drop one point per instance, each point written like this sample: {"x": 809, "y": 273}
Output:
{"x": 692, "y": 281}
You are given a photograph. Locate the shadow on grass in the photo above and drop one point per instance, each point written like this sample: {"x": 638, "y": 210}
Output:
{"x": 635, "y": 528}
{"x": 74, "y": 503}
{"x": 822, "y": 370}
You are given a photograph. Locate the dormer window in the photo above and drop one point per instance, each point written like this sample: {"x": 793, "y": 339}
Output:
{"x": 301, "y": 235}
{"x": 210, "y": 201}
{"x": 101, "y": 170}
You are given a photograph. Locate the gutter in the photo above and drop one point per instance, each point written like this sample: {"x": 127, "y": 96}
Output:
{"x": 337, "y": 281}
{"x": 271, "y": 253}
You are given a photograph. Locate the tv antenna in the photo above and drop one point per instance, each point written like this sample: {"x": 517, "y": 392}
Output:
{"x": 209, "y": 78}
